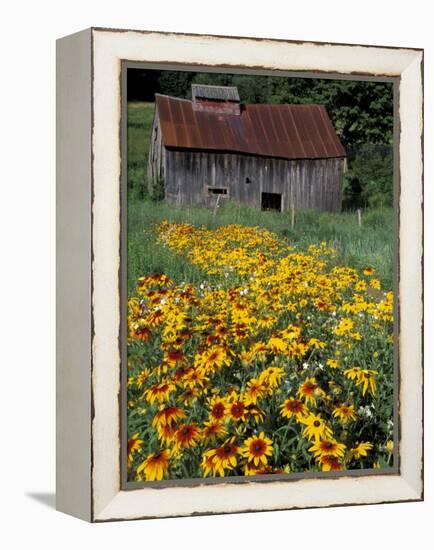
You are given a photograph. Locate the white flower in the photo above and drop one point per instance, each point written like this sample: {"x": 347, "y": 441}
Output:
{"x": 365, "y": 411}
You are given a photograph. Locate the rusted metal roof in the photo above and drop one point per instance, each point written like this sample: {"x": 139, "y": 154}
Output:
{"x": 220, "y": 93}
{"x": 283, "y": 131}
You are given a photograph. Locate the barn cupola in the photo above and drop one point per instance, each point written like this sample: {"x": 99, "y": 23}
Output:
{"x": 215, "y": 99}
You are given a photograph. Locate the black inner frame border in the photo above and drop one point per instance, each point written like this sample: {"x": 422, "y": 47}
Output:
{"x": 125, "y": 65}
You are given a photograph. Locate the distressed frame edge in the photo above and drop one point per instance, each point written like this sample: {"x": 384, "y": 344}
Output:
{"x": 412, "y": 492}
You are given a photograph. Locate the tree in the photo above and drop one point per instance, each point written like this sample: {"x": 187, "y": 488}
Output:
{"x": 361, "y": 112}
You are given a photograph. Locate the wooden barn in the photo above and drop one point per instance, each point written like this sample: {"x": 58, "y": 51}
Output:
{"x": 268, "y": 156}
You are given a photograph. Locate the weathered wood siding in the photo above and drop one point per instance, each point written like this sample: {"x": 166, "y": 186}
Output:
{"x": 308, "y": 184}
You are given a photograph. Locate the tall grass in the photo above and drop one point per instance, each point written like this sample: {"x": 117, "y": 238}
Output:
{"x": 139, "y": 123}
{"x": 358, "y": 247}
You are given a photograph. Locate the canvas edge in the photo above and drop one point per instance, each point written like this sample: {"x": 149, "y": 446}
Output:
{"x": 73, "y": 274}
{"x": 410, "y": 490}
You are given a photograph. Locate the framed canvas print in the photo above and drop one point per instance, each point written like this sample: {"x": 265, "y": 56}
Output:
{"x": 239, "y": 267}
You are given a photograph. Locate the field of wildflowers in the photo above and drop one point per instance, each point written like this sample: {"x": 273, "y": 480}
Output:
{"x": 278, "y": 361}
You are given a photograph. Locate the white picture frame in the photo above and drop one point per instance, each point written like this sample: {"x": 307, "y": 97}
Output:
{"x": 89, "y": 204}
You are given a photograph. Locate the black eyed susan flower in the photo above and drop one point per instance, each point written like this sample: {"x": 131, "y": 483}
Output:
{"x": 277, "y": 345}
{"x": 256, "y": 389}
{"x": 166, "y": 433}
{"x": 155, "y": 467}
{"x": 308, "y": 391}
{"x": 251, "y": 470}
{"x": 368, "y": 381}
{"x": 222, "y": 458}
{"x": 217, "y": 407}
{"x": 353, "y": 373}
{"x": 375, "y": 283}
{"x": 257, "y": 448}
{"x": 316, "y": 428}
{"x": 213, "y": 359}
{"x": 142, "y": 332}
{"x": 330, "y": 463}
{"x": 237, "y": 410}
{"x": 293, "y": 407}
{"x": 195, "y": 377}
{"x": 174, "y": 357}
{"x": 254, "y": 412}
{"x": 142, "y": 377}
{"x": 207, "y": 464}
{"x": 363, "y": 377}
{"x": 345, "y": 413}
{"x": 186, "y": 436}
{"x": 159, "y": 392}
{"x": 327, "y": 447}
{"x": 168, "y": 416}
{"x": 345, "y": 326}
{"x": 213, "y": 430}
{"x": 271, "y": 377}
{"x": 332, "y": 363}
{"x": 361, "y": 450}
{"x": 134, "y": 445}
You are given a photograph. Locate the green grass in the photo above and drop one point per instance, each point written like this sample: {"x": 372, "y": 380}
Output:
{"x": 139, "y": 122}
{"x": 358, "y": 247}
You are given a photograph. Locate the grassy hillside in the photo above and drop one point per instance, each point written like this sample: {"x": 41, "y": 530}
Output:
{"x": 140, "y": 116}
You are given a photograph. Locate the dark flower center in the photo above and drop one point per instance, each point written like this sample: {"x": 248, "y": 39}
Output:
{"x": 218, "y": 410}
{"x": 317, "y": 423}
{"x": 237, "y": 409}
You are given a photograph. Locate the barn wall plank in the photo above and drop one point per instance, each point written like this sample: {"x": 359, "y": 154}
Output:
{"x": 308, "y": 184}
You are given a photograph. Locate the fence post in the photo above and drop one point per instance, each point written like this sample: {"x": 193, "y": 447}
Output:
{"x": 216, "y": 206}
{"x": 359, "y": 216}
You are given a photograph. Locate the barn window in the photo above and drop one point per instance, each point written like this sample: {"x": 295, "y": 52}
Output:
{"x": 218, "y": 191}
{"x": 271, "y": 201}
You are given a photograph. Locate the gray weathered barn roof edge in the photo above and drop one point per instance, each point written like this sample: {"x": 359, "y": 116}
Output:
{"x": 220, "y": 93}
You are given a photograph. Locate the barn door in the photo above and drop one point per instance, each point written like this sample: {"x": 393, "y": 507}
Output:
{"x": 271, "y": 201}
